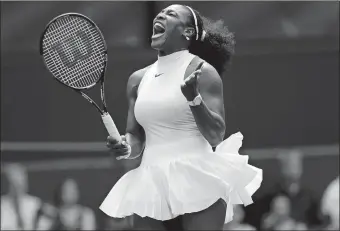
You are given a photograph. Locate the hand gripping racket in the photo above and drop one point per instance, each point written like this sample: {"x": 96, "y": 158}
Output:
{"x": 74, "y": 51}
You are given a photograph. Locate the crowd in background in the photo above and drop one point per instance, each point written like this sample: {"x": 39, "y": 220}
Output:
{"x": 288, "y": 206}
{"x": 22, "y": 211}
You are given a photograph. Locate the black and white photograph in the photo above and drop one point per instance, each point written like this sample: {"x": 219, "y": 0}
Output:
{"x": 169, "y": 115}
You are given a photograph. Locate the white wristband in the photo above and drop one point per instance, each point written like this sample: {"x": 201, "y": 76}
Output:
{"x": 196, "y": 101}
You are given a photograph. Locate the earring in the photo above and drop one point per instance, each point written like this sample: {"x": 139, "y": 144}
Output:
{"x": 187, "y": 38}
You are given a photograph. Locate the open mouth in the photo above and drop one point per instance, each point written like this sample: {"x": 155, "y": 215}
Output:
{"x": 158, "y": 30}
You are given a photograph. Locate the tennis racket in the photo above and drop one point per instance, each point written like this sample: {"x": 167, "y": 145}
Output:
{"x": 74, "y": 51}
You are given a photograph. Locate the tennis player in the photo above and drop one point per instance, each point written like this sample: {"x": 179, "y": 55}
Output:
{"x": 176, "y": 115}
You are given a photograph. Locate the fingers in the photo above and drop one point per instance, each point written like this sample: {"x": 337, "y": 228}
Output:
{"x": 109, "y": 145}
{"x": 183, "y": 85}
{"x": 123, "y": 138}
{"x": 124, "y": 141}
{"x": 199, "y": 66}
{"x": 120, "y": 152}
{"x": 193, "y": 77}
{"x": 114, "y": 144}
{"x": 117, "y": 148}
{"x": 197, "y": 73}
{"x": 112, "y": 141}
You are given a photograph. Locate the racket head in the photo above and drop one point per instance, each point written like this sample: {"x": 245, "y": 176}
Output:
{"x": 74, "y": 50}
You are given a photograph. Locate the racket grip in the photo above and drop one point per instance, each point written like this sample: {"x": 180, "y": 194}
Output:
{"x": 111, "y": 127}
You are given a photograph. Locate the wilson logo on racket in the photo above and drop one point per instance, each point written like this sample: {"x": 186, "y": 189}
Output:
{"x": 74, "y": 49}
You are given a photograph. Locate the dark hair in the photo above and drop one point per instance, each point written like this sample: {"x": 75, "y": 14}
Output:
{"x": 218, "y": 44}
{"x": 58, "y": 192}
{"x": 57, "y": 197}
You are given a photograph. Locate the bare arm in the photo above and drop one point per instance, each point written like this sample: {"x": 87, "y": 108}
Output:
{"x": 210, "y": 114}
{"x": 134, "y": 132}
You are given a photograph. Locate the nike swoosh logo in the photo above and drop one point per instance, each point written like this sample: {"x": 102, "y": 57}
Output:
{"x": 159, "y": 74}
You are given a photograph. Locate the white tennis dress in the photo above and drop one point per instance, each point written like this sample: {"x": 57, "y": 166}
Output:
{"x": 179, "y": 172}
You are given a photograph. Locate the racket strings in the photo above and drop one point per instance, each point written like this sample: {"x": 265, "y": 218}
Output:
{"x": 59, "y": 29}
{"x": 83, "y": 80}
{"x": 96, "y": 64}
{"x": 85, "y": 71}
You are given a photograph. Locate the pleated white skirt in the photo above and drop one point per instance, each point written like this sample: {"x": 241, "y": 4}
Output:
{"x": 171, "y": 182}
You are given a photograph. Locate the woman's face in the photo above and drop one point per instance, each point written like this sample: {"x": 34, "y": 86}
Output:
{"x": 281, "y": 205}
{"x": 169, "y": 26}
{"x": 69, "y": 192}
{"x": 17, "y": 178}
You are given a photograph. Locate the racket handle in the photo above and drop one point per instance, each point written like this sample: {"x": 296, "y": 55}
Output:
{"x": 111, "y": 127}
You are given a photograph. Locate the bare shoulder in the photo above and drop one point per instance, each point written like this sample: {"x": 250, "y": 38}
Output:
{"x": 210, "y": 71}
{"x": 209, "y": 76}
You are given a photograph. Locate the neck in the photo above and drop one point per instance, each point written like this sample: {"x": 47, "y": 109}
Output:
{"x": 15, "y": 193}
{"x": 170, "y": 51}
{"x": 67, "y": 205}
{"x": 292, "y": 187}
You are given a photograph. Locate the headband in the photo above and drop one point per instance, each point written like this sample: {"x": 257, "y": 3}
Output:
{"x": 196, "y": 24}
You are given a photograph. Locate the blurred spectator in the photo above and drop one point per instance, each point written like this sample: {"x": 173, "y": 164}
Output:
{"x": 303, "y": 206}
{"x": 330, "y": 204}
{"x": 237, "y": 223}
{"x": 279, "y": 216}
{"x": 67, "y": 213}
{"x": 18, "y": 208}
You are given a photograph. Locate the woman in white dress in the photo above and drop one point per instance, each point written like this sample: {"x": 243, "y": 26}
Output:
{"x": 175, "y": 118}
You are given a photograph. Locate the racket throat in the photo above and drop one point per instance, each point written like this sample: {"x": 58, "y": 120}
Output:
{"x": 93, "y": 103}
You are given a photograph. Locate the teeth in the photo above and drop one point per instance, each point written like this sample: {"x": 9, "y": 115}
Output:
{"x": 157, "y": 35}
{"x": 158, "y": 24}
